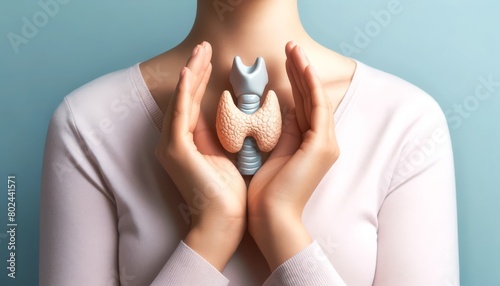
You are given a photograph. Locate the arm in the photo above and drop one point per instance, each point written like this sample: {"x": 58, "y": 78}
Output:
{"x": 76, "y": 245}
{"x": 80, "y": 247}
{"x": 205, "y": 177}
{"x": 310, "y": 266}
{"x": 417, "y": 234}
{"x": 279, "y": 191}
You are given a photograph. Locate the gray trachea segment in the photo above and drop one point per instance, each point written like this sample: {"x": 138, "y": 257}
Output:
{"x": 249, "y": 158}
{"x": 249, "y": 103}
{"x": 248, "y": 84}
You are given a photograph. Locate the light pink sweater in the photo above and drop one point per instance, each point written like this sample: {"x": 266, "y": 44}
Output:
{"x": 384, "y": 215}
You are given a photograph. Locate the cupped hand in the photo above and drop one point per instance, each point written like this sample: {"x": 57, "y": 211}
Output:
{"x": 208, "y": 181}
{"x": 306, "y": 150}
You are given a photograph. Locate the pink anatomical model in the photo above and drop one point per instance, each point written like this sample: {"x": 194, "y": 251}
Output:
{"x": 241, "y": 129}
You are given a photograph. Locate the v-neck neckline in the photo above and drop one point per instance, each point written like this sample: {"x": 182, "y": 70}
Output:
{"x": 156, "y": 114}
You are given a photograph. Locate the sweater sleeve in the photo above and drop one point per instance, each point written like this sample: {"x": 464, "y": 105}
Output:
{"x": 78, "y": 220}
{"x": 78, "y": 223}
{"x": 417, "y": 231}
{"x": 186, "y": 267}
{"x": 308, "y": 267}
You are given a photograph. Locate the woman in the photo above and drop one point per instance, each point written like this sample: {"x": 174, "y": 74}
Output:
{"x": 137, "y": 188}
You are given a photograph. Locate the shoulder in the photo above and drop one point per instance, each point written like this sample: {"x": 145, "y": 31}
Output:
{"x": 400, "y": 103}
{"x": 108, "y": 97}
{"x": 392, "y": 91}
{"x": 104, "y": 95}
{"x": 400, "y": 123}
{"x": 395, "y": 116}
{"x": 102, "y": 106}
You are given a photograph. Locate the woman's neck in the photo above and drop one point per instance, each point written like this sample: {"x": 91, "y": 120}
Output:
{"x": 248, "y": 29}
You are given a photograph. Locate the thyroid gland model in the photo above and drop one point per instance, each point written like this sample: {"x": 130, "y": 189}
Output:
{"x": 244, "y": 128}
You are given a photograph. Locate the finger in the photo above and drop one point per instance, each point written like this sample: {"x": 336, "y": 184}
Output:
{"x": 321, "y": 122}
{"x": 167, "y": 121}
{"x": 297, "y": 98}
{"x": 181, "y": 105}
{"x": 288, "y": 48}
{"x": 202, "y": 80}
{"x": 198, "y": 63}
{"x": 196, "y": 104}
{"x": 173, "y": 106}
{"x": 297, "y": 88}
{"x": 194, "y": 64}
{"x": 301, "y": 62}
{"x": 293, "y": 67}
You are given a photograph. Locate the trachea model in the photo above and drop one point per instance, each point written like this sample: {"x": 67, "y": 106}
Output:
{"x": 241, "y": 129}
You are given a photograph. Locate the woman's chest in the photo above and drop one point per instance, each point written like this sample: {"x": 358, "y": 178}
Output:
{"x": 153, "y": 218}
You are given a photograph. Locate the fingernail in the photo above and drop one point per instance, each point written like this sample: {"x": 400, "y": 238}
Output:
{"x": 196, "y": 50}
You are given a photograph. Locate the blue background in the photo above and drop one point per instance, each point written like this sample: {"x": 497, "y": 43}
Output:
{"x": 444, "y": 47}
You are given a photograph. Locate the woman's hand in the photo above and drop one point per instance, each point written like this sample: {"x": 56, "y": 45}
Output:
{"x": 210, "y": 184}
{"x": 307, "y": 149}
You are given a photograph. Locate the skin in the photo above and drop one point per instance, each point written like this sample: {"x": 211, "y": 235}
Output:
{"x": 268, "y": 205}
